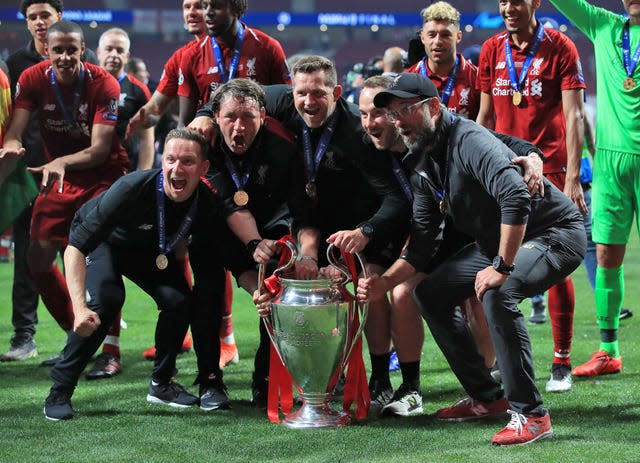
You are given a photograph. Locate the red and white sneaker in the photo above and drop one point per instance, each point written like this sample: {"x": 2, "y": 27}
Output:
{"x": 471, "y": 409}
{"x": 187, "y": 345}
{"x": 524, "y": 429}
{"x": 228, "y": 354}
{"x": 601, "y": 363}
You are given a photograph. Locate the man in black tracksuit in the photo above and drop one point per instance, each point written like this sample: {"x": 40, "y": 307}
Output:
{"x": 132, "y": 230}
{"x": 522, "y": 246}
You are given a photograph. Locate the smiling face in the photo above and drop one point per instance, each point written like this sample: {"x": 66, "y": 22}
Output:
{"x": 440, "y": 39}
{"x": 39, "y": 17}
{"x": 416, "y": 121}
{"x": 314, "y": 100}
{"x": 64, "y": 50}
{"x": 633, "y": 8}
{"x": 193, "y": 15}
{"x": 518, "y": 15}
{"x": 182, "y": 165}
{"x": 382, "y": 132}
{"x": 113, "y": 53}
{"x": 239, "y": 121}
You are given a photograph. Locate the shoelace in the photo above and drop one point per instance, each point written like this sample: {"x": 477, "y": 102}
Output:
{"x": 518, "y": 420}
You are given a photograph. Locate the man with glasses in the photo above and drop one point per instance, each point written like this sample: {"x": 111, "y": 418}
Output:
{"x": 522, "y": 245}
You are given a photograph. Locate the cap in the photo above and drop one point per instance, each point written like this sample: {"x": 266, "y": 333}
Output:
{"x": 406, "y": 85}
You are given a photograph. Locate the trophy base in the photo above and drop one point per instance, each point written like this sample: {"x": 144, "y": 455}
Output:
{"x": 316, "y": 416}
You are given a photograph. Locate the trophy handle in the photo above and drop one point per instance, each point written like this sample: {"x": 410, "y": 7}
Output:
{"x": 362, "y": 308}
{"x": 268, "y": 323}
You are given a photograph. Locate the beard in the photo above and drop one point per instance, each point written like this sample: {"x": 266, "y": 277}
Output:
{"x": 427, "y": 138}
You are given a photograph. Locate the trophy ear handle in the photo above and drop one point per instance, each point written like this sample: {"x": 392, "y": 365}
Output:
{"x": 346, "y": 273}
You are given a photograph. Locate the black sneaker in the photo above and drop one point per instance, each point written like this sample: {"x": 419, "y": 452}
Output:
{"x": 625, "y": 313}
{"x": 51, "y": 361}
{"x": 381, "y": 395}
{"x": 105, "y": 366}
{"x": 259, "y": 397}
{"x": 172, "y": 394}
{"x": 538, "y": 310}
{"x": 214, "y": 397}
{"x": 57, "y": 406}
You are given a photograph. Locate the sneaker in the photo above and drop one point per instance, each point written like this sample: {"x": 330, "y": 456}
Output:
{"x": 394, "y": 363}
{"x": 214, "y": 397}
{"x": 57, "y": 406}
{"x": 538, "y": 308}
{"x": 228, "y": 354}
{"x": 560, "y": 380}
{"x": 471, "y": 409}
{"x": 105, "y": 366}
{"x": 51, "y": 361}
{"x": 187, "y": 345}
{"x": 524, "y": 429}
{"x": 22, "y": 347}
{"x": 405, "y": 402}
{"x": 601, "y": 363}
{"x": 381, "y": 395}
{"x": 625, "y": 313}
{"x": 259, "y": 397}
{"x": 172, "y": 394}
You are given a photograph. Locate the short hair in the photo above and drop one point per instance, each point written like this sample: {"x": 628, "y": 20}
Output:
{"x": 312, "y": 63}
{"x": 114, "y": 31}
{"x": 441, "y": 11}
{"x": 383, "y": 81}
{"x": 239, "y": 7}
{"x": 56, "y": 4}
{"x": 65, "y": 27}
{"x": 191, "y": 135}
{"x": 242, "y": 89}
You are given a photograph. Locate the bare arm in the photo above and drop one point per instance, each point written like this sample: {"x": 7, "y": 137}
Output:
{"x": 375, "y": 287}
{"x": 187, "y": 110}
{"x": 147, "y": 149}
{"x": 86, "y": 321}
{"x": 486, "y": 114}
{"x": 149, "y": 114}
{"x": 573, "y": 109}
{"x": 12, "y": 146}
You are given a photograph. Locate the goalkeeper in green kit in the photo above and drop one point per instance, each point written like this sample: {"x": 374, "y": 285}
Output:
{"x": 616, "y": 178}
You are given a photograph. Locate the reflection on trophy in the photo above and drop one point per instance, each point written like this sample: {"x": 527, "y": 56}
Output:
{"x": 311, "y": 327}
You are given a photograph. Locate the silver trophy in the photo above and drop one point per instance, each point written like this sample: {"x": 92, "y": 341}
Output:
{"x": 310, "y": 328}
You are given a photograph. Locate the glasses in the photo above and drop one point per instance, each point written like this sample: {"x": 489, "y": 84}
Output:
{"x": 405, "y": 111}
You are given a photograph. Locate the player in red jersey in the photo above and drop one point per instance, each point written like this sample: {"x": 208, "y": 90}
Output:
{"x": 532, "y": 87}
{"x": 77, "y": 106}
{"x": 452, "y": 74}
{"x": 232, "y": 50}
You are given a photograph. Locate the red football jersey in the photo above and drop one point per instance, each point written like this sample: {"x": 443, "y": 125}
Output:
{"x": 98, "y": 105}
{"x": 539, "y": 118}
{"x": 262, "y": 59}
{"x": 168, "y": 84}
{"x": 465, "y": 98}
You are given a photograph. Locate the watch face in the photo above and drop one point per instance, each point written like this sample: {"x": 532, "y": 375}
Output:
{"x": 367, "y": 229}
{"x": 496, "y": 262}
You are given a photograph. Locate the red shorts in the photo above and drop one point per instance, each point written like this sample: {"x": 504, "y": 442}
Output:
{"x": 557, "y": 178}
{"x": 53, "y": 212}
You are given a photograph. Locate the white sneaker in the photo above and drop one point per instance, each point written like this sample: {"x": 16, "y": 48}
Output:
{"x": 405, "y": 402}
{"x": 560, "y": 380}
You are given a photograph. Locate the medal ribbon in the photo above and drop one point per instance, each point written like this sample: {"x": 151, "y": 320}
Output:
{"x": 629, "y": 63}
{"x": 518, "y": 82}
{"x": 184, "y": 226}
{"x": 311, "y": 162}
{"x": 239, "y": 182}
{"x": 235, "y": 59}
{"x": 401, "y": 176}
{"x": 451, "y": 79}
{"x": 69, "y": 116}
{"x": 444, "y": 179}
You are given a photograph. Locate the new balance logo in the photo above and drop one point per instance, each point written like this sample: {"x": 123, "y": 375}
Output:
{"x": 146, "y": 226}
{"x": 536, "y": 88}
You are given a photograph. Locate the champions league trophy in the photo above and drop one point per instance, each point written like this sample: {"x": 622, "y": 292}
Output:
{"x": 312, "y": 331}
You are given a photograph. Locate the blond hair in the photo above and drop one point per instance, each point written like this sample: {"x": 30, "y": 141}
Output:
{"x": 441, "y": 11}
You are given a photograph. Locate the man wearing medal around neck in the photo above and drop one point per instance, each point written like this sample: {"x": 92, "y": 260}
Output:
{"x": 615, "y": 195}
{"x": 232, "y": 49}
{"x": 257, "y": 171}
{"x": 117, "y": 234}
{"x": 514, "y": 253}
{"x": 77, "y": 106}
{"x": 532, "y": 87}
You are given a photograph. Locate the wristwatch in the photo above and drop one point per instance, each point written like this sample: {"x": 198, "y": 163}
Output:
{"x": 501, "y": 267}
{"x": 367, "y": 229}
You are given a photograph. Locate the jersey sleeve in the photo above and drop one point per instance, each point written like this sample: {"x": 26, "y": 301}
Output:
{"x": 279, "y": 69}
{"x": 483, "y": 82}
{"x": 107, "y": 94}
{"x": 186, "y": 83}
{"x": 26, "y": 96}
{"x": 168, "y": 85}
{"x": 571, "y": 74}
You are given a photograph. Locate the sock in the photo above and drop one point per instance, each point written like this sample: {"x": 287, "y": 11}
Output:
{"x": 55, "y": 295}
{"x": 111, "y": 343}
{"x": 411, "y": 374}
{"x": 380, "y": 368}
{"x": 561, "y": 301}
{"x": 609, "y": 296}
{"x": 226, "y": 328}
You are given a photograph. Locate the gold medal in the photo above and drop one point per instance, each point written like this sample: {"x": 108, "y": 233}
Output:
{"x": 240, "y": 198}
{"x": 629, "y": 83}
{"x": 517, "y": 98}
{"x": 162, "y": 262}
{"x": 311, "y": 190}
{"x": 443, "y": 206}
